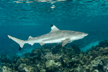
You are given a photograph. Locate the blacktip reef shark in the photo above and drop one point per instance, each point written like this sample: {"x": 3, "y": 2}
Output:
{"x": 54, "y": 36}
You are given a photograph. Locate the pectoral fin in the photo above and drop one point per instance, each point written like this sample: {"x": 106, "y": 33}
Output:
{"x": 65, "y": 42}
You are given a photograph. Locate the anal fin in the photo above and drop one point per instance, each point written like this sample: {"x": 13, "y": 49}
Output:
{"x": 31, "y": 44}
{"x": 65, "y": 42}
{"x": 42, "y": 44}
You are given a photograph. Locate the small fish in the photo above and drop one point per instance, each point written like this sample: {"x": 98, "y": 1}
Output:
{"x": 53, "y": 6}
{"x": 54, "y": 36}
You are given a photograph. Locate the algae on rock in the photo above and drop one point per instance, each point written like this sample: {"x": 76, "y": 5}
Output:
{"x": 52, "y": 63}
{"x": 6, "y": 69}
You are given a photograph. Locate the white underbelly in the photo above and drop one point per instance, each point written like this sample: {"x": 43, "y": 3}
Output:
{"x": 54, "y": 41}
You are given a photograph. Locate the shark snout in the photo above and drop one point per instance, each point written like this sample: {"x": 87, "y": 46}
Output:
{"x": 85, "y": 34}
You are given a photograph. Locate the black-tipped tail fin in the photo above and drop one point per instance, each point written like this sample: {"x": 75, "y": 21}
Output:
{"x": 20, "y": 48}
{"x": 19, "y": 41}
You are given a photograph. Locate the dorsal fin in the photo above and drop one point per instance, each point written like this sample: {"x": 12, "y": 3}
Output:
{"x": 54, "y": 28}
{"x": 30, "y": 37}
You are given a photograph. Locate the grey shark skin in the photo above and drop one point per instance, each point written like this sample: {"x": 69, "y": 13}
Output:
{"x": 54, "y": 36}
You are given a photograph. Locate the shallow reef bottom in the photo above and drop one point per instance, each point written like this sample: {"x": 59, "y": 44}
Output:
{"x": 59, "y": 59}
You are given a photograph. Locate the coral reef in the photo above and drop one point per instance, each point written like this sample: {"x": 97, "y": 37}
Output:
{"x": 59, "y": 59}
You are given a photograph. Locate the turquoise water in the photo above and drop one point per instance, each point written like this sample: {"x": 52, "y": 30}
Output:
{"x": 22, "y": 20}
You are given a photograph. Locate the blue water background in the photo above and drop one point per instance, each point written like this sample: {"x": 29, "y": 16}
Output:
{"x": 22, "y": 20}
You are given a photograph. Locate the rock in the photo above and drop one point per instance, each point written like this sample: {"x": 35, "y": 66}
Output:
{"x": 6, "y": 69}
{"x": 52, "y": 63}
{"x": 29, "y": 69}
{"x": 56, "y": 58}
{"x": 42, "y": 70}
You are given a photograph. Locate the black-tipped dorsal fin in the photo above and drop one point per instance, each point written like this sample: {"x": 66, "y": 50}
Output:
{"x": 54, "y": 28}
{"x": 30, "y": 37}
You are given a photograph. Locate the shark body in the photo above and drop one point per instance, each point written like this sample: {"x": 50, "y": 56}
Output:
{"x": 54, "y": 36}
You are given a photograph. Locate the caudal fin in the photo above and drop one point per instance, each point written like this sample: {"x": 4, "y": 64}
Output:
{"x": 20, "y": 42}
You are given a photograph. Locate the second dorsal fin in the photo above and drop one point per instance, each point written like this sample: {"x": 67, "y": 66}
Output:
{"x": 30, "y": 37}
